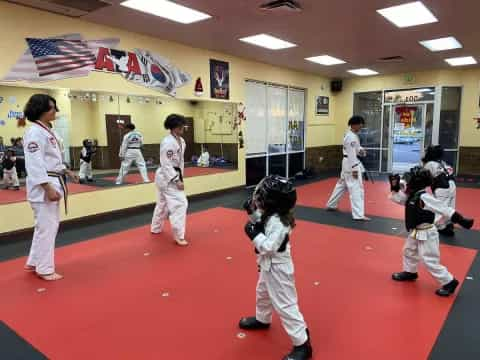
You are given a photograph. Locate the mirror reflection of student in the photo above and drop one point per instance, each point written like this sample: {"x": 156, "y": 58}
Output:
{"x": 131, "y": 151}
{"x": 204, "y": 159}
{"x": 86, "y": 155}
{"x": 10, "y": 178}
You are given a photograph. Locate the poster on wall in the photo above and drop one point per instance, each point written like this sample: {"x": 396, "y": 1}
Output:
{"x": 406, "y": 115}
{"x": 219, "y": 80}
{"x": 70, "y": 56}
{"x": 322, "y": 105}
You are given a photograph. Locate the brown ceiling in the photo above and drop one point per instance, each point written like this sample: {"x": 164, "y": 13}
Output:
{"x": 347, "y": 29}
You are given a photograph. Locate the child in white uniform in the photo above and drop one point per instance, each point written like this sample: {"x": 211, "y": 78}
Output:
{"x": 271, "y": 214}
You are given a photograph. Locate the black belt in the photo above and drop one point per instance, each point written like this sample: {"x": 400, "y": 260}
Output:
{"x": 345, "y": 156}
{"x": 179, "y": 171}
{"x": 132, "y": 148}
{"x": 63, "y": 183}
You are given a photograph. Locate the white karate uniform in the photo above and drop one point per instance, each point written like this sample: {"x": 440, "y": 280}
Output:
{"x": 171, "y": 202}
{"x": 447, "y": 196}
{"x": 350, "y": 163}
{"x": 276, "y": 282}
{"x": 131, "y": 152}
{"x": 10, "y": 177}
{"x": 43, "y": 154}
{"x": 422, "y": 244}
{"x": 204, "y": 159}
{"x": 85, "y": 167}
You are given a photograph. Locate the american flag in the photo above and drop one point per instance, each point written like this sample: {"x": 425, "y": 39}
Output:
{"x": 54, "y": 56}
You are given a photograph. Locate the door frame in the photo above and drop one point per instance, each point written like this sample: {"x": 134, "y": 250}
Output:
{"x": 423, "y": 104}
{"x": 437, "y": 103}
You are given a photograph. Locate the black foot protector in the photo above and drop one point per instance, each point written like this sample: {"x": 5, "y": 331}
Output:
{"x": 447, "y": 289}
{"x": 404, "y": 276}
{"x": 302, "y": 352}
{"x": 251, "y": 323}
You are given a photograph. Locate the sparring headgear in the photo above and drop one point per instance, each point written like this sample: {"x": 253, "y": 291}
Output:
{"x": 87, "y": 142}
{"x": 276, "y": 194}
{"x": 433, "y": 153}
{"x": 417, "y": 179}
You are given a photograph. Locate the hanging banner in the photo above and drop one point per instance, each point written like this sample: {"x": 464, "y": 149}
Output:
{"x": 56, "y": 58}
{"x": 142, "y": 67}
{"x": 70, "y": 56}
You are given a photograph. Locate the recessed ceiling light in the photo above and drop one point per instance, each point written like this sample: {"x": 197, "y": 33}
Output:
{"x": 410, "y": 14}
{"x": 325, "y": 60}
{"x": 268, "y": 41}
{"x": 363, "y": 72}
{"x": 167, "y": 9}
{"x": 446, "y": 43}
{"x": 461, "y": 61}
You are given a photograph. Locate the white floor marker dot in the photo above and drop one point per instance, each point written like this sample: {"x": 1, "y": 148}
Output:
{"x": 316, "y": 283}
{"x": 394, "y": 228}
{"x": 216, "y": 231}
{"x": 469, "y": 278}
{"x": 40, "y": 290}
{"x": 368, "y": 248}
{"x": 229, "y": 258}
{"x": 146, "y": 254}
{"x": 241, "y": 335}
{"x": 165, "y": 294}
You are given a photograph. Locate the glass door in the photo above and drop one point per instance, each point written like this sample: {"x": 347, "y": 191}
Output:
{"x": 408, "y": 136}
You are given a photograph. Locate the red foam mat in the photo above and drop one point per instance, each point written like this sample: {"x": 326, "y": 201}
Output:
{"x": 184, "y": 303}
{"x": 12, "y": 196}
{"x": 135, "y": 177}
{"x": 376, "y": 199}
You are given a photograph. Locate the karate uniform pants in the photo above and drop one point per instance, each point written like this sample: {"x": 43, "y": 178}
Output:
{"x": 356, "y": 191}
{"x": 47, "y": 220}
{"x": 10, "y": 177}
{"x": 85, "y": 170}
{"x": 448, "y": 198}
{"x": 171, "y": 203}
{"x": 276, "y": 290}
{"x": 132, "y": 155}
{"x": 426, "y": 250}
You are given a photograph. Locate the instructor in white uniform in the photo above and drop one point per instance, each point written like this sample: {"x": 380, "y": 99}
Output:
{"x": 351, "y": 177}
{"x": 131, "y": 151}
{"x": 45, "y": 183}
{"x": 171, "y": 199}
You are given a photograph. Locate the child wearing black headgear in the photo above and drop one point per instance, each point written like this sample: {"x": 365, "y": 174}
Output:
{"x": 272, "y": 220}
{"x": 422, "y": 243}
{"x": 10, "y": 177}
{"x": 443, "y": 184}
{"x": 86, "y": 155}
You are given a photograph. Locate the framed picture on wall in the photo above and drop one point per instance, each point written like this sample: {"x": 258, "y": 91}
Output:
{"x": 322, "y": 105}
{"x": 219, "y": 80}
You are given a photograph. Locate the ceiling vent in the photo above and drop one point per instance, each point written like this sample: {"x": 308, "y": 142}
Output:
{"x": 73, "y": 8}
{"x": 391, "y": 59}
{"x": 288, "y": 5}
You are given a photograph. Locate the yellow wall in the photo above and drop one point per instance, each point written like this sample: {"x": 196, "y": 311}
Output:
{"x": 20, "y": 95}
{"x": 192, "y": 60}
{"x": 469, "y": 79}
{"x": 28, "y": 22}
